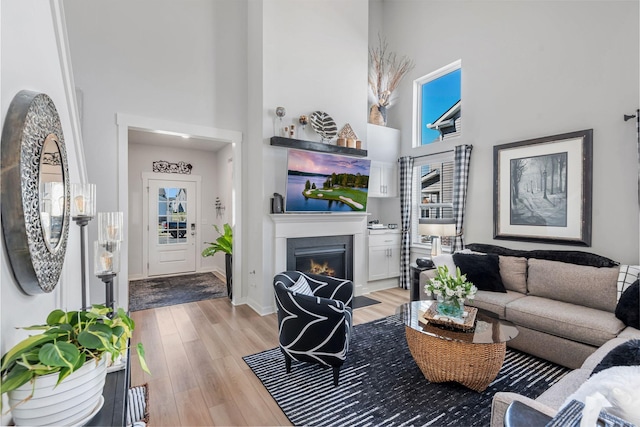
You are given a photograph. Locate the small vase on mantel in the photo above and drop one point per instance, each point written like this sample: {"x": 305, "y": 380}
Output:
{"x": 450, "y": 306}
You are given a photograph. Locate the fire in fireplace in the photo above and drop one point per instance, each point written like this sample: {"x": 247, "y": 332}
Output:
{"x": 327, "y": 255}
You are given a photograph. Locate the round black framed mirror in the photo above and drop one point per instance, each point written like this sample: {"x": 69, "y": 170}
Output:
{"x": 35, "y": 192}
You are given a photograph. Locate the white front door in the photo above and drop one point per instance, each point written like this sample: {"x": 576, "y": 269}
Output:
{"x": 172, "y": 227}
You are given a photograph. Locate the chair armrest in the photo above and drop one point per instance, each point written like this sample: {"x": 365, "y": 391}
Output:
{"x": 502, "y": 400}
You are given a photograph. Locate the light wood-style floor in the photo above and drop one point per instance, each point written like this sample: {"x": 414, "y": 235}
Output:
{"x": 194, "y": 352}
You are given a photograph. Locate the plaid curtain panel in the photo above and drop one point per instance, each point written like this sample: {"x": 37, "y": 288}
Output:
{"x": 462, "y": 158}
{"x": 406, "y": 179}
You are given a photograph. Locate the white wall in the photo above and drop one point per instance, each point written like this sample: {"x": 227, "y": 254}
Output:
{"x": 532, "y": 69}
{"x": 183, "y": 62}
{"x": 313, "y": 57}
{"x": 212, "y": 167}
{"x": 30, "y": 58}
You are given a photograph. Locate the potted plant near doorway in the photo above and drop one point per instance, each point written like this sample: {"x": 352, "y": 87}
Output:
{"x": 56, "y": 377}
{"x": 224, "y": 244}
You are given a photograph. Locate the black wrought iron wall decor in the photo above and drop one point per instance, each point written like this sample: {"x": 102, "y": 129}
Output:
{"x": 220, "y": 208}
{"x": 163, "y": 166}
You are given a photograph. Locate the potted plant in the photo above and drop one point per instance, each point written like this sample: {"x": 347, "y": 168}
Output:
{"x": 57, "y": 375}
{"x": 450, "y": 291}
{"x": 224, "y": 244}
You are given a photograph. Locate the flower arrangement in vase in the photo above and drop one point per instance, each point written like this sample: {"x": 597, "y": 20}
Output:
{"x": 450, "y": 291}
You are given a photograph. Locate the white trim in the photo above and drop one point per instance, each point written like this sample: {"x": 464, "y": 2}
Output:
{"x": 66, "y": 71}
{"x": 125, "y": 122}
{"x": 417, "y": 105}
{"x": 146, "y": 176}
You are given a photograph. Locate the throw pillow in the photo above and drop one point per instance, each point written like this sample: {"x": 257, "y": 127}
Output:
{"x": 445, "y": 260}
{"x": 628, "y": 274}
{"x": 481, "y": 270}
{"x": 301, "y": 286}
{"x": 626, "y": 354}
{"x": 628, "y": 308}
{"x": 619, "y": 385}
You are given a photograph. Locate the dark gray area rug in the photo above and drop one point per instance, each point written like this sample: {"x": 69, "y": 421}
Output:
{"x": 165, "y": 291}
{"x": 362, "y": 301}
{"x": 381, "y": 385}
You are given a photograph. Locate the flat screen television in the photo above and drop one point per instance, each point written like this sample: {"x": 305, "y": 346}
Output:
{"x": 322, "y": 182}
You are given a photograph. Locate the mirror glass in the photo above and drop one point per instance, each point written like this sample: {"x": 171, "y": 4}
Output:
{"x": 52, "y": 193}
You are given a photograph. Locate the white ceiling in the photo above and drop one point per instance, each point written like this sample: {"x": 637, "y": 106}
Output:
{"x": 164, "y": 140}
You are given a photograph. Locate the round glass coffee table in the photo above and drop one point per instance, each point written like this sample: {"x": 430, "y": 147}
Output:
{"x": 472, "y": 358}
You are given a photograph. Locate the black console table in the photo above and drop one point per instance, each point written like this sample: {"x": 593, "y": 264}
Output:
{"x": 114, "y": 410}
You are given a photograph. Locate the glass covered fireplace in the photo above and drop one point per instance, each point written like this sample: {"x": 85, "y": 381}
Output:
{"x": 326, "y": 255}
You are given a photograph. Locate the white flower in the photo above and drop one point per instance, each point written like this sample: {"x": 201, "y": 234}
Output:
{"x": 449, "y": 292}
{"x": 437, "y": 292}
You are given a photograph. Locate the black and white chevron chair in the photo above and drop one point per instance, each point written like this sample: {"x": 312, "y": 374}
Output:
{"x": 314, "y": 318}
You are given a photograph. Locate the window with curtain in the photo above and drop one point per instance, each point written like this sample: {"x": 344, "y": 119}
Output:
{"x": 432, "y": 194}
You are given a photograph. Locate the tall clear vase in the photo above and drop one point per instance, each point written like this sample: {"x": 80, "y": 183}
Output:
{"x": 450, "y": 306}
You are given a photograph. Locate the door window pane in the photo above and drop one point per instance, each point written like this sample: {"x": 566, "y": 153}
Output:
{"x": 172, "y": 215}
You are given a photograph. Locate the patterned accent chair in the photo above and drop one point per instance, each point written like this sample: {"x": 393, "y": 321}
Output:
{"x": 314, "y": 328}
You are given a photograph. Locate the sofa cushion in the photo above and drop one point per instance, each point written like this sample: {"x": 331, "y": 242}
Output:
{"x": 628, "y": 308}
{"x": 582, "y": 285}
{"x": 556, "y": 395}
{"x": 481, "y": 270}
{"x": 625, "y": 354}
{"x": 513, "y": 271}
{"x": 574, "y": 322}
{"x": 494, "y": 302}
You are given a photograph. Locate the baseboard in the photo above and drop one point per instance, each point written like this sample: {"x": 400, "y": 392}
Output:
{"x": 262, "y": 311}
{"x": 379, "y": 285}
{"x": 133, "y": 277}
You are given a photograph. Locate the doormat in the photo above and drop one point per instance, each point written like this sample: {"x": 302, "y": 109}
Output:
{"x": 362, "y": 301}
{"x": 380, "y": 384}
{"x": 164, "y": 291}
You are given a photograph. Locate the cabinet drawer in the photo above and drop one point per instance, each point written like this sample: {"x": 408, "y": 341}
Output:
{"x": 384, "y": 239}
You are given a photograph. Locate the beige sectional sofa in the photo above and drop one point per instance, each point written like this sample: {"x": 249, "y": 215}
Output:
{"x": 563, "y": 311}
{"x": 553, "y": 399}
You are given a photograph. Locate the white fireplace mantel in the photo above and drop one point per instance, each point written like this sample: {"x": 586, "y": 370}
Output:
{"x": 325, "y": 224}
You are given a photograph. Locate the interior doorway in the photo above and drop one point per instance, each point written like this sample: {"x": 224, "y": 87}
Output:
{"x": 183, "y": 135}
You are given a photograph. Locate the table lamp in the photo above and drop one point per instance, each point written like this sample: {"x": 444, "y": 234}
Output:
{"x": 436, "y": 228}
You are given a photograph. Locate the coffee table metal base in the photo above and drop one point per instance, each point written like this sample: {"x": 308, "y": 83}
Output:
{"x": 441, "y": 360}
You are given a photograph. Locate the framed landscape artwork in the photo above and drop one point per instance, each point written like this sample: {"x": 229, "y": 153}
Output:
{"x": 543, "y": 188}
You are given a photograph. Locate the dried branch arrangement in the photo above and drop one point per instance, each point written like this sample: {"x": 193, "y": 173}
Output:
{"x": 386, "y": 71}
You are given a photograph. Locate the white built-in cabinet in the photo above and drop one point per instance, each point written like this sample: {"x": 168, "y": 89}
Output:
{"x": 383, "y": 179}
{"x": 384, "y": 254}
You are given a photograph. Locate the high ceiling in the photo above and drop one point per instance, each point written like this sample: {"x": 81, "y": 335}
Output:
{"x": 176, "y": 141}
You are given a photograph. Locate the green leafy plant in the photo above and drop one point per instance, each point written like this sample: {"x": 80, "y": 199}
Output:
{"x": 66, "y": 342}
{"x": 451, "y": 287}
{"x": 224, "y": 242}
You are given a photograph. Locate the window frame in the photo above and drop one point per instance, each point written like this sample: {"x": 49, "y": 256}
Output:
{"x": 417, "y": 100}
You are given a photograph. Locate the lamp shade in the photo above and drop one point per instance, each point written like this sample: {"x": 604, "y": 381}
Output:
{"x": 437, "y": 228}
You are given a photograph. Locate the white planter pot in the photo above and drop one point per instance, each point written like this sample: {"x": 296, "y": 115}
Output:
{"x": 72, "y": 402}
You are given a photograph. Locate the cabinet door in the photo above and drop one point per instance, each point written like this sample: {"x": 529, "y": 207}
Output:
{"x": 390, "y": 180}
{"x": 375, "y": 180}
{"x": 378, "y": 262}
{"x": 394, "y": 261}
